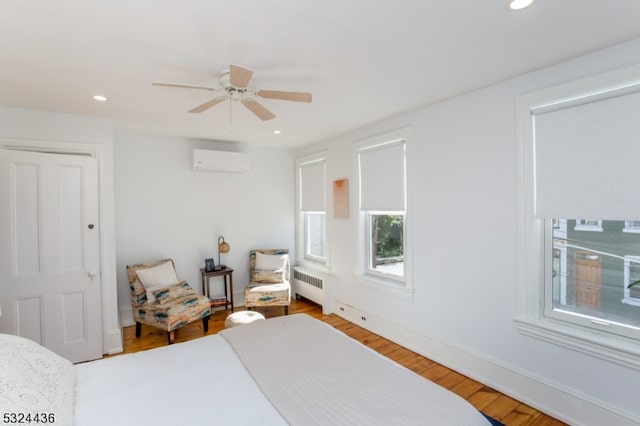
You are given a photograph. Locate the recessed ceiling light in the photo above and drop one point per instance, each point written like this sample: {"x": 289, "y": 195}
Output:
{"x": 277, "y": 132}
{"x": 99, "y": 98}
{"x": 519, "y": 4}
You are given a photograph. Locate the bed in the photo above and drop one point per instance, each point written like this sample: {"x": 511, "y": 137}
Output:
{"x": 285, "y": 370}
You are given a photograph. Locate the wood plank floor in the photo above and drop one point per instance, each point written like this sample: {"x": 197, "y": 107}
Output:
{"x": 488, "y": 400}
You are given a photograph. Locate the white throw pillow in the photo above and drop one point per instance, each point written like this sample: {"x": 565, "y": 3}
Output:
{"x": 271, "y": 262}
{"x": 157, "y": 277}
{"x": 35, "y": 381}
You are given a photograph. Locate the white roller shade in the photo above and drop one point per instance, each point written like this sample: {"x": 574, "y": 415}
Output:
{"x": 382, "y": 177}
{"x": 312, "y": 187}
{"x": 587, "y": 157}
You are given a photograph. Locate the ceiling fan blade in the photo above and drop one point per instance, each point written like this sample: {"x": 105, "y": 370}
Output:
{"x": 205, "y": 106}
{"x": 239, "y": 76}
{"x": 182, "y": 86}
{"x": 258, "y": 109}
{"x": 285, "y": 96}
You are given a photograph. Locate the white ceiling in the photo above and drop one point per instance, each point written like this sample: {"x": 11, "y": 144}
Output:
{"x": 363, "y": 60}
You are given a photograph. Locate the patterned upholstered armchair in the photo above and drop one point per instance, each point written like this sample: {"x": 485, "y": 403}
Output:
{"x": 159, "y": 299}
{"x": 269, "y": 274}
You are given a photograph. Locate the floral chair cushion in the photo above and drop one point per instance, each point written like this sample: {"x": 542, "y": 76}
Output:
{"x": 268, "y": 276}
{"x": 268, "y": 294}
{"x": 170, "y": 293}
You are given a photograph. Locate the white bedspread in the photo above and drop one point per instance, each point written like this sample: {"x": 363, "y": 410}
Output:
{"x": 291, "y": 369}
{"x": 198, "y": 382}
{"x": 316, "y": 375}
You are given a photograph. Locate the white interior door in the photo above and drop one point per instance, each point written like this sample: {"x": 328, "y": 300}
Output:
{"x": 49, "y": 251}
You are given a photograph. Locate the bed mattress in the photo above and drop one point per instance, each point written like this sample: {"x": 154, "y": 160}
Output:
{"x": 198, "y": 382}
{"x": 287, "y": 370}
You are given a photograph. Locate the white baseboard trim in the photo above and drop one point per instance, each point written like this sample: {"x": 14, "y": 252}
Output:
{"x": 238, "y": 298}
{"x": 126, "y": 316}
{"x": 113, "y": 341}
{"x": 565, "y": 404}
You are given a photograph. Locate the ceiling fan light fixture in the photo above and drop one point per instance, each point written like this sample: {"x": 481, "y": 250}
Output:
{"x": 518, "y": 4}
{"x": 234, "y": 83}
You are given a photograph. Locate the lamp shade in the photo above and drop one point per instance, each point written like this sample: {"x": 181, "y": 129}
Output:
{"x": 223, "y": 247}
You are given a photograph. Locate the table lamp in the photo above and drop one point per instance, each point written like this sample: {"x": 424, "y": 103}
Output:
{"x": 223, "y": 247}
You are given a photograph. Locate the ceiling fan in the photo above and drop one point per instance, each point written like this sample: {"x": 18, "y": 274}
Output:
{"x": 235, "y": 83}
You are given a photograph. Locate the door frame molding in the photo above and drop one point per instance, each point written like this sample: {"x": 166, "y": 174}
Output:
{"x": 93, "y": 150}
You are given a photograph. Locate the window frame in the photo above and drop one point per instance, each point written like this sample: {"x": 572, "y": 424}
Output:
{"x": 631, "y": 226}
{"x": 307, "y": 242}
{"x": 626, "y": 298}
{"x": 369, "y": 270}
{"x": 583, "y": 225}
{"x": 302, "y": 257}
{"x": 532, "y": 260}
{"x": 578, "y": 318}
{"x": 390, "y": 284}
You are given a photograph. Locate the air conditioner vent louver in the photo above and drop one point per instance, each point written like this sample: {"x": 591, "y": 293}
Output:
{"x": 308, "y": 279}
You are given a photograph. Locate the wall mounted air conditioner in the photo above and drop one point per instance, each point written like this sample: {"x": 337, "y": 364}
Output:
{"x": 219, "y": 161}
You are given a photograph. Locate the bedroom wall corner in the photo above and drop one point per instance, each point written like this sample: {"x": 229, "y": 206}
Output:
{"x": 166, "y": 209}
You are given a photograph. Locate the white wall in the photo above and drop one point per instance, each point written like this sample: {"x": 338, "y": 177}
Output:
{"x": 465, "y": 245}
{"x": 164, "y": 209}
{"x": 45, "y": 129}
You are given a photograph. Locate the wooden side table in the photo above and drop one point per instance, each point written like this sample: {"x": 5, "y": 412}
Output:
{"x": 227, "y": 274}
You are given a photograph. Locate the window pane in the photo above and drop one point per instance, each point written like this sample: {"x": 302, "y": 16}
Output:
{"x": 315, "y": 235}
{"x": 632, "y": 226}
{"x": 592, "y": 271}
{"x": 386, "y": 243}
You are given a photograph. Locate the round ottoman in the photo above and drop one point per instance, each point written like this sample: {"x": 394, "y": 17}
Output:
{"x": 241, "y": 318}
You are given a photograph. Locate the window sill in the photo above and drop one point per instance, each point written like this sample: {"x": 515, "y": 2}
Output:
{"x": 618, "y": 350}
{"x": 313, "y": 266}
{"x": 588, "y": 228}
{"x": 390, "y": 287}
{"x": 631, "y": 301}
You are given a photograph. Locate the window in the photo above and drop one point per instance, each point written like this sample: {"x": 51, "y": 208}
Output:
{"x": 578, "y": 143}
{"x": 590, "y": 275}
{"x": 632, "y": 226}
{"x": 588, "y": 225}
{"x": 385, "y": 243}
{"x": 382, "y": 178}
{"x": 314, "y": 235}
{"x": 311, "y": 207}
{"x": 631, "y": 275}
